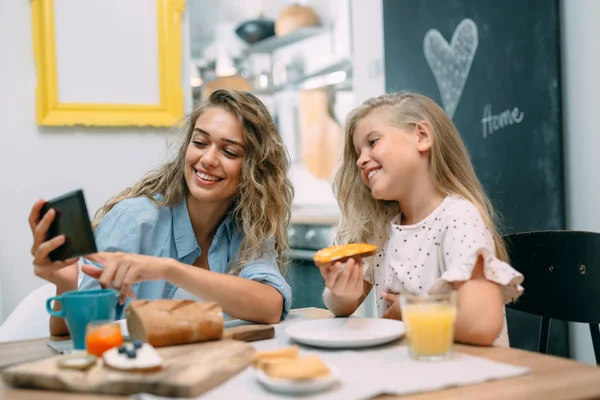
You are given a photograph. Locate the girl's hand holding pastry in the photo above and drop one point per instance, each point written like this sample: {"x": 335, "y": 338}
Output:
{"x": 344, "y": 280}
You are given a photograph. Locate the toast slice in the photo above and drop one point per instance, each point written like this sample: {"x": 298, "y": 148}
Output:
{"x": 329, "y": 255}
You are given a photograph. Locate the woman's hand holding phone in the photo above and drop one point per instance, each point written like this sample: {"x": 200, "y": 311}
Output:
{"x": 63, "y": 274}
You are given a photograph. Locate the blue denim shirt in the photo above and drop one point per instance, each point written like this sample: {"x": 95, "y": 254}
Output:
{"x": 137, "y": 225}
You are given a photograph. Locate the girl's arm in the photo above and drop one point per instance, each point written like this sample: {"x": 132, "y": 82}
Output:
{"x": 484, "y": 282}
{"x": 480, "y": 315}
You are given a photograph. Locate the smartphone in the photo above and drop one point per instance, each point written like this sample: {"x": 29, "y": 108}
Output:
{"x": 71, "y": 220}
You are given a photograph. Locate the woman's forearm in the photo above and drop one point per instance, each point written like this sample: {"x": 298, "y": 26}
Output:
{"x": 238, "y": 297}
{"x": 58, "y": 327}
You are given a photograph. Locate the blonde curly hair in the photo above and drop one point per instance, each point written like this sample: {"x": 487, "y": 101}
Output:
{"x": 262, "y": 206}
{"x": 450, "y": 168}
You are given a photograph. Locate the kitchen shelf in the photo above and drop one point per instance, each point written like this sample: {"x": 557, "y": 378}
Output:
{"x": 274, "y": 42}
{"x": 318, "y": 79}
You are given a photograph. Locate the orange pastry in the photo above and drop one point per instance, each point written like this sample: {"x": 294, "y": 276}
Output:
{"x": 286, "y": 363}
{"x": 262, "y": 358}
{"x": 327, "y": 256}
{"x": 301, "y": 368}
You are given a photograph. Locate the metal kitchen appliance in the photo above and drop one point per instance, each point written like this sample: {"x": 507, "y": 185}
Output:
{"x": 303, "y": 275}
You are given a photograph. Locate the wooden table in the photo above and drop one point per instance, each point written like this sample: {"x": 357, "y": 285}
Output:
{"x": 550, "y": 377}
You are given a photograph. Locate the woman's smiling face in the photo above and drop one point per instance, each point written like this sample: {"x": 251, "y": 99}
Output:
{"x": 213, "y": 160}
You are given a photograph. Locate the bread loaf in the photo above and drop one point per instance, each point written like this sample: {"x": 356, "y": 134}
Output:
{"x": 170, "y": 322}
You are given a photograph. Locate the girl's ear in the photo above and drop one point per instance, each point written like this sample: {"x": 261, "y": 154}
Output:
{"x": 424, "y": 136}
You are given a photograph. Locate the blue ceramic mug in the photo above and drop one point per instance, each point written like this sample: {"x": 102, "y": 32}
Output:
{"x": 78, "y": 308}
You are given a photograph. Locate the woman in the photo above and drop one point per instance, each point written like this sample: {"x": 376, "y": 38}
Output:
{"x": 210, "y": 224}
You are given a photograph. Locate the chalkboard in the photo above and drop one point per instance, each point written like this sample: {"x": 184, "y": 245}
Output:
{"x": 495, "y": 68}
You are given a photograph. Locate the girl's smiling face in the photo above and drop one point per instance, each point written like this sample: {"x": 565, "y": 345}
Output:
{"x": 389, "y": 158}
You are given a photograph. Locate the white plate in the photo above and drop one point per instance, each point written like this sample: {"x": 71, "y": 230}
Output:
{"x": 290, "y": 386}
{"x": 346, "y": 332}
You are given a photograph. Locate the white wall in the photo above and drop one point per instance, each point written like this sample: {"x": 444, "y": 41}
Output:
{"x": 581, "y": 85}
{"x": 41, "y": 162}
{"x": 367, "y": 38}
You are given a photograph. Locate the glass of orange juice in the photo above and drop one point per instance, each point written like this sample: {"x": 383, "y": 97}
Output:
{"x": 429, "y": 323}
{"x": 101, "y": 336}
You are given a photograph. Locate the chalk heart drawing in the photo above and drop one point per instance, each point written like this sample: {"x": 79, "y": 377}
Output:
{"x": 451, "y": 63}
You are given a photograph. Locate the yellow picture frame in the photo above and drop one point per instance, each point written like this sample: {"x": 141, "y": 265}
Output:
{"x": 51, "y": 112}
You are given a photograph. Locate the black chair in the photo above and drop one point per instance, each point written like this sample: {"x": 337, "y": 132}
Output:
{"x": 562, "y": 279}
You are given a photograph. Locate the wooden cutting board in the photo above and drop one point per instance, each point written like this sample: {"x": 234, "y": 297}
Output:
{"x": 250, "y": 333}
{"x": 188, "y": 370}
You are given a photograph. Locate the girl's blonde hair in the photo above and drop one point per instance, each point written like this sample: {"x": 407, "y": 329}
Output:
{"x": 450, "y": 168}
{"x": 262, "y": 206}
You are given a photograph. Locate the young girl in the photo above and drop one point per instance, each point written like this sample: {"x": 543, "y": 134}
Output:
{"x": 210, "y": 224}
{"x": 406, "y": 184}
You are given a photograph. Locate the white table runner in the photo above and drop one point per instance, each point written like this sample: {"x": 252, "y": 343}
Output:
{"x": 365, "y": 373}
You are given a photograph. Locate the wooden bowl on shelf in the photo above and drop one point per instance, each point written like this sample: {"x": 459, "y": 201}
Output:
{"x": 294, "y": 17}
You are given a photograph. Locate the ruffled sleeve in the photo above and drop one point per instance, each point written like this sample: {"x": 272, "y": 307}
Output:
{"x": 466, "y": 239}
